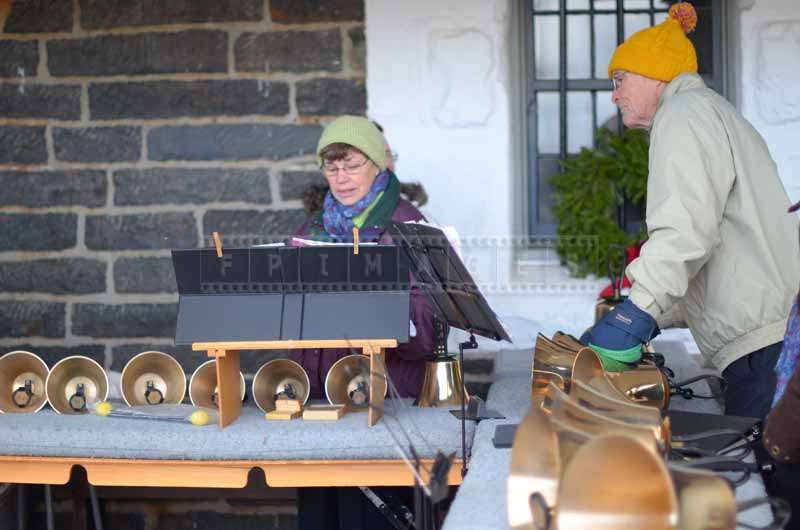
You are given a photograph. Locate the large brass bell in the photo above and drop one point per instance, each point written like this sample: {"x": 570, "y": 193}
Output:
{"x": 280, "y": 379}
{"x": 153, "y": 378}
{"x": 535, "y": 468}
{"x": 75, "y": 384}
{"x": 443, "y": 384}
{"x": 615, "y": 482}
{"x": 22, "y": 379}
{"x": 203, "y": 385}
{"x": 347, "y": 382}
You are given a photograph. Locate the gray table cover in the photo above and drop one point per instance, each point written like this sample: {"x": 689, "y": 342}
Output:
{"x": 250, "y": 437}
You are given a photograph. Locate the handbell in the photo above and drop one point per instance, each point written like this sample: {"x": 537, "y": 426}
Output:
{"x": 152, "y": 378}
{"x": 280, "y": 379}
{"x": 443, "y": 384}
{"x": 203, "y": 385}
{"x": 347, "y": 382}
{"x": 22, "y": 378}
{"x": 611, "y": 472}
{"x": 535, "y": 468}
{"x": 75, "y": 384}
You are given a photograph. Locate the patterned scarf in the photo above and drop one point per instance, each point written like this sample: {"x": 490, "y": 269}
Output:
{"x": 787, "y": 362}
{"x": 338, "y": 218}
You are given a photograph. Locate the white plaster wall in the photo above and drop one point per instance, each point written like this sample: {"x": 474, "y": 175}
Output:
{"x": 440, "y": 80}
{"x": 770, "y": 80}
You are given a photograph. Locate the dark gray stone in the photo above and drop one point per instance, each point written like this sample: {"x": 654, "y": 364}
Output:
{"x": 39, "y": 16}
{"x": 122, "y": 354}
{"x": 358, "y": 49}
{"x": 301, "y": 11}
{"x": 232, "y": 142}
{"x": 49, "y": 231}
{"x": 141, "y": 231}
{"x": 103, "y": 14}
{"x": 331, "y": 97}
{"x": 97, "y": 144}
{"x": 207, "y": 520}
{"x": 289, "y": 51}
{"x": 170, "y": 99}
{"x": 22, "y": 144}
{"x": 52, "y": 354}
{"x": 56, "y": 276}
{"x": 37, "y": 189}
{"x": 127, "y": 320}
{"x": 20, "y": 58}
{"x": 242, "y": 227}
{"x": 149, "y": 53}
{"x": 191, "y": 186}
{"x": 32, "y": 319}
{"x": 294, "y": 183}
{"x": 144, "y": 275}
{"x": 40, "y": 101}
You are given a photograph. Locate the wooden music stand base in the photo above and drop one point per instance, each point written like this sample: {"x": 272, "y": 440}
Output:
{"x": 227, "y": 356}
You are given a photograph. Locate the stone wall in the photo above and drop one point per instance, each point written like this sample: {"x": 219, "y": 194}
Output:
{"x": 131, "y": 127}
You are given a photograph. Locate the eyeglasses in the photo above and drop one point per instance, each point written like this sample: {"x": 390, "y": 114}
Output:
{"x": 392, "y": 154}
{"x": 331, "y": 170}
{"x": 617, "y": 79}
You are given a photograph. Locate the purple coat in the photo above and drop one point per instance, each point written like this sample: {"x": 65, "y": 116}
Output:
{"x": 405, "y": 364}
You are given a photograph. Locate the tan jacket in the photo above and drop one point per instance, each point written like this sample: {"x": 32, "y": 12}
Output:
{"x": 721, "y": 244}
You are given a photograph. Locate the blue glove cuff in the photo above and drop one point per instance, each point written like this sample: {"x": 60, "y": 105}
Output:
{"x": 632, "y": 320}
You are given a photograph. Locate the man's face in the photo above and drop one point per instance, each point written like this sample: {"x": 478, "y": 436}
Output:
{"x": 636, "y": 97}
{"x": 350, "y": 178}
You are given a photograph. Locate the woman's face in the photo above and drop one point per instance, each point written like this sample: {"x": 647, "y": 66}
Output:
{"x": 351, "y": 177}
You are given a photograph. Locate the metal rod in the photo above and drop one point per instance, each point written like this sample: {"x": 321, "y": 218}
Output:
{"x": 96, "y": 513}
{"x": 22, "y": 509}
{"x": 48, "y": 506}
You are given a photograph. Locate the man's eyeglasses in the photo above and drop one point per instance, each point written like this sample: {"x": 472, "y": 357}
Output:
{"x": 617, "y": 79}
{"x": 331, "y": 170}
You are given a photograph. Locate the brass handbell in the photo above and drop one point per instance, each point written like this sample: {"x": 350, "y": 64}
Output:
{"x": 280, "y": 379}
{"x": 22, "y": 378}
{"x": 544, "y": 444}
{"x": 614, "y": 482}
{"x": 645, "y": 384}
{"x": 443, "y": 385}
{"x": 152, "y": 378}
{"x": 203, "y": 385}
{"x": 570, "y": 412}
{"x": 669, "y": 497}
{"x": 347, "y": 382}
{"x": 535, "y": 468}
{"x": 75, "y": 384}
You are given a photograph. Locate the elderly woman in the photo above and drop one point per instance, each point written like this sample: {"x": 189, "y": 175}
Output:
{"x": 365, "y": 194}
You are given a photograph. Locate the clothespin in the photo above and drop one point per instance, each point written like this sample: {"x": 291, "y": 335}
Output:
{"x": 217, "y": 243}
{"x": 355, "y": 240}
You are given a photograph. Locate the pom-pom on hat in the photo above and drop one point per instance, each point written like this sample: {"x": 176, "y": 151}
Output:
{"x": 662, "y": 52}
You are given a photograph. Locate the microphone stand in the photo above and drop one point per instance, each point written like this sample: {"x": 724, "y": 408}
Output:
{"x": 471, "y": 344}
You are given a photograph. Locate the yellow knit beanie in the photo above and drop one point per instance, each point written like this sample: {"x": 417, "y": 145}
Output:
{"x": 662, "y": 52}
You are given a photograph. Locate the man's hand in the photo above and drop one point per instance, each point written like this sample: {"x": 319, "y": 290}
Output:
{"x": 619, "y": 335}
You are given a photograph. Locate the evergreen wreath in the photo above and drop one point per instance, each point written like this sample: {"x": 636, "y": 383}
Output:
{"x": 590, "y": 189}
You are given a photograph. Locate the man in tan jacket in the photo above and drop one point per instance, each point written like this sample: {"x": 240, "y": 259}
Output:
{"x": 722, "y": 253}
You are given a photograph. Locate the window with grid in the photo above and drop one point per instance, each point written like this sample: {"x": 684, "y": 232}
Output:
{"x": 569, "y": 44}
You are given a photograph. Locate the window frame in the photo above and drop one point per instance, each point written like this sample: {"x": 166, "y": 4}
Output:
{"x": 562, "y": 85}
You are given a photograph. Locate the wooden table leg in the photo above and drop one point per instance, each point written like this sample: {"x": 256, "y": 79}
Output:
{"x": 229, "y": 397}
{"x": 377, "y": 385}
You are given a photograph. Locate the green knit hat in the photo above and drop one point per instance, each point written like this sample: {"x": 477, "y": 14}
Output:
{"x": 358, "y": 132}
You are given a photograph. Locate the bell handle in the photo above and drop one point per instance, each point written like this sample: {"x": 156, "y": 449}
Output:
{"x": 26, "y": 391}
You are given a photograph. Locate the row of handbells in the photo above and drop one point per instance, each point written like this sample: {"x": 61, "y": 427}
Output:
{"x": 76, "y": 383}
